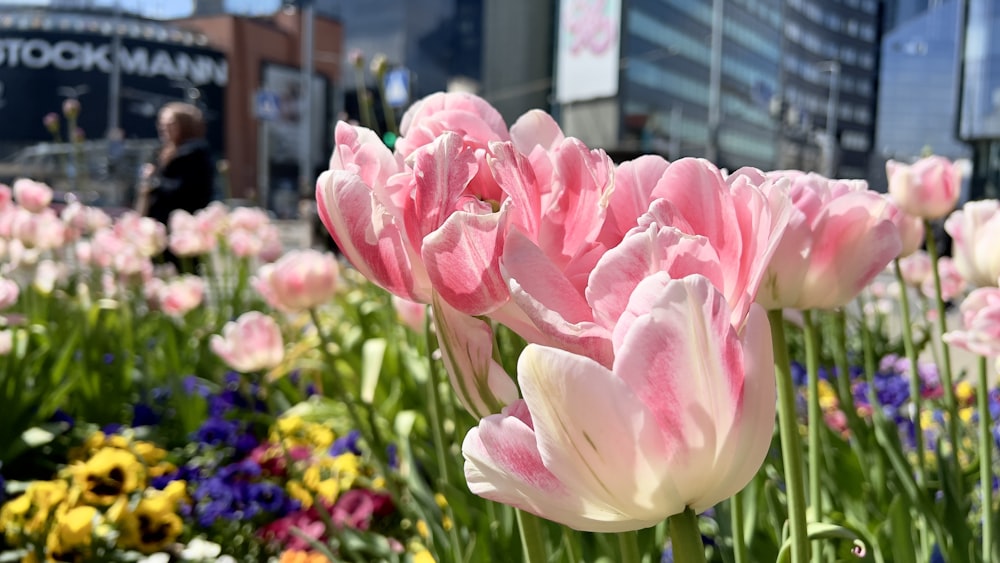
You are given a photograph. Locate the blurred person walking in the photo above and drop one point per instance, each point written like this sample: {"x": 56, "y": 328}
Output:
{"x": 183, "y": 175}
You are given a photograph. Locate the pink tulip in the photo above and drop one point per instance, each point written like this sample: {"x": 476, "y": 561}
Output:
{"x": 6, "y": 196}
{"x": 439, "y": 225}
{"x": 683, "y": 418}
{"x": 31, "y": 195}
{"x": 911, "y": 230}
{"x": 105, "y": 246}
{"x": 691, "y": 221}
{"x": 188, "y": 237}
{"x": 248, "y": 218}
{"x": 147, "y": 236}
{"x": 473, "y": 118}
{"x": 466, "y": 343}
{"x": 839, "y": 238}
{"x": 410, "y": 313}
{"x": 916, "y": 268}
{"x": 9, "y": 292}
{"x": 42, "y": 230}
{"x": 181, "y": 295}
{"x": 250, "y": 343}
{"x": 975, "y": 230}
{"x": 981, "y": 323}
{"x": 928, "y": 188}
{"x": 952, "y": 282}
{"x": 299, "y": 281}
{"x": 211, "y": 221}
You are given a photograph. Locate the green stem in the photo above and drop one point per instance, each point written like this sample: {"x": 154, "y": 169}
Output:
{"x": 434, "y": 405}
{"x": 815, "y": 422}
{"x": 791, "y": 443}
{"x": 685, "y": 537}
{"x": 569, "y": 541}
{"x": 532, "y": 537}
{"x": 339, "y": 390}
{"x": 985, "y": 458}
{"x": 915, "y": 392}
{"x": 740, "y": 554}
{"x": 628, "y": 547}
{"x": 946, "y": 375}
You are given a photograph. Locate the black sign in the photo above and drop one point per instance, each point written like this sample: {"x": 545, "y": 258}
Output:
{"x": 39, "y": 69}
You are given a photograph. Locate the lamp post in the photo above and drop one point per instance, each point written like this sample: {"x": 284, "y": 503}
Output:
{"x": 832, "y": 106}
{"x": 305, "y": 97}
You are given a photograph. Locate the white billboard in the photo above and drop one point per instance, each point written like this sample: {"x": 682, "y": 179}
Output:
{"x": 589, "y": 46}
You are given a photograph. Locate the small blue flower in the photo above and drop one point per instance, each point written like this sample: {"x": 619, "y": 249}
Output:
{"x": 345, "y": 444}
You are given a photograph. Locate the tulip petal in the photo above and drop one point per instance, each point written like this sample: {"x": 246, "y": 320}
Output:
{"x": 462, "y": 260}
{"x": 369, "y": 236}
{"x": 641, "y": 254}
{"x": 535, "y": 128}
{"x": 502, "y": 463}
{"x": 481, "y": 384}
{"x": 581, "y": 412}
{"x": 552, "y": 303}
{"x": 684, "y": 361}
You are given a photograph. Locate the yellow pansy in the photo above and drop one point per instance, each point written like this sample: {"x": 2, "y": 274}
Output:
{"x": 109, "y": 473}
{"x": 72, "y": 533}
{"x": 153, "y": 525}
{"x": 299, "y": 493}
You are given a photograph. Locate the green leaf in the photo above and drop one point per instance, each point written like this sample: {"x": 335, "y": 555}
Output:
{"x": 372, "y": 354}
{"x": 824, "y": 531}
{"x": 900, "y": 532}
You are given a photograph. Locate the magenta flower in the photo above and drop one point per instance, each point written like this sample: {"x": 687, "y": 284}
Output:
{"x": 683, "y": 418}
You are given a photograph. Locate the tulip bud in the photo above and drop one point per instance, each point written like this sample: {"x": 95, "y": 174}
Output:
{"x": 929, "y": 188}
{"x": 71, "y": 108}
{"x": 251, "y": 343}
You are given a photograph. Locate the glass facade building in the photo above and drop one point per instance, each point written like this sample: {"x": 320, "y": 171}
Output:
{"x": 979, "y": 121}
{"x": 926, "y": 45}
{"x": 772, "y": 100}
{"x": 665, "y": 86}
{"x": 830, "y": 50}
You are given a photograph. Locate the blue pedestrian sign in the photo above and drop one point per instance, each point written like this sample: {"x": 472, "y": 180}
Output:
{"x": 267, "y": 106}
{"x": 397, "y": 87}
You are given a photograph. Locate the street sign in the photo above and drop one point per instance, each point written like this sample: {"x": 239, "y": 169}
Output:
{"x": 267, "y": 106}
{"x": 397, "y": 87}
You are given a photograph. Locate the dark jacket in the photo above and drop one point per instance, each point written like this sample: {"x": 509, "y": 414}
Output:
{"x": 185, "y": 182}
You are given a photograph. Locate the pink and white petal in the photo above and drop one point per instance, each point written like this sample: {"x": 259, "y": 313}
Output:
{"x": 462, "y": 260}
{"x": 573, "y": 216}
{"x": 441, "y": 171}
{"x": 480, "y": 383}
{"x": 581, "y": 411}
{"x": 362, "y": 147}
{"x": 515, "y": 176}
{"x": 684, "y": 361}
{"x": 634, "y": 182}
{"x": 641, "y": 254}
{"x": 502, "y": 463}
{"x": 740, "y": 455}
{"x": 369, "y": 236}
{"x": 554, "y": 306}
{"x": 696, "y": 188}
{"x": 535, "y": 128}
{"x": 853, "y": 241}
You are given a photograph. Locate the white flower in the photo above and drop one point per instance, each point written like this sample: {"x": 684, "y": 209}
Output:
{"x": 199, "y": 549}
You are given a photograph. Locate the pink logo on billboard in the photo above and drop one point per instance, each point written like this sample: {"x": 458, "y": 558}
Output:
{"x": 590, "y": 26}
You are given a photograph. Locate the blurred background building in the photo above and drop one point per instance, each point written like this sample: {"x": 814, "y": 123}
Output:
{"x": 834, "y": 86}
